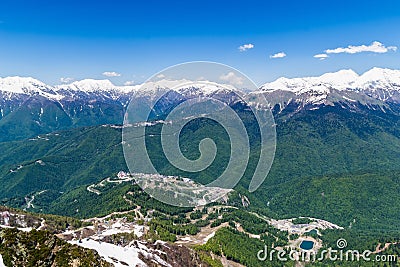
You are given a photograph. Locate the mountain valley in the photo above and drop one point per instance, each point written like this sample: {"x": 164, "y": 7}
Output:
{"x": 336, "y": 164}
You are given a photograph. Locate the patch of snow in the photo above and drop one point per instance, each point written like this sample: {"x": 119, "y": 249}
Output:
{"x": 137, "y": 229}
{"x": 128, "y": 255}
{"x": 1, "y": 262}
{"x": 209, "y": 236}
{"x": 349, "y": 99}
{"x": 26, "y": 229}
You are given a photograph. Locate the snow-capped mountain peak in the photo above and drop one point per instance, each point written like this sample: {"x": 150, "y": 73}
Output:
{"x": 89, "y": 85}
{"x": 379, "y": 78}
{"x": 377, "y": 84}
{"x": 183, "y": 86}
{"x": 339, "y": 80}
{"x": 341, "y": 77}
{"x": 21, "y": 85}
{"x": 375, "y": 87}
{"x": 27, "y": 86}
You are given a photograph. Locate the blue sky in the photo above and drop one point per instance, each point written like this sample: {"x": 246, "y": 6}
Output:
{"x": 49, "y": 40}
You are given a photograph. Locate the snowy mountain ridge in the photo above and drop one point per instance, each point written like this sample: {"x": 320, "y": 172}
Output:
{"x": 375, "y": 87}
{"x": 347, "y": 79}
{"x": 377, "y": 84}
{"x": 340, "y": 80}
{"x": 12, "y": 87}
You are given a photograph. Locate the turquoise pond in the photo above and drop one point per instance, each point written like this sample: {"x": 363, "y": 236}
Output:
{"x": 307, "y": 245}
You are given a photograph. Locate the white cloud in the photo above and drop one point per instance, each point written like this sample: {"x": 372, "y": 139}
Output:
{"x": 231, "y": 78}
{"x": 161, "y": 76}
{"x": 129, "y": 83}
{"x": 66, "y": 79}
{"x": 278, "y": 55}
{"x": 245, "y": 47}
{"x": 111, "y": 74}
{"x": 321, "y": 56}
{"x": 375, "y": 47}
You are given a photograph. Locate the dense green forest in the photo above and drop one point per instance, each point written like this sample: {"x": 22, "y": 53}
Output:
{"x": 330, "y": 163}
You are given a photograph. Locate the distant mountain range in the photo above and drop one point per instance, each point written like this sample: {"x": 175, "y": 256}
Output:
{"x": 29, "y": 107}
{"x": 345, "y": 85}
{"x": 374, "y": 88}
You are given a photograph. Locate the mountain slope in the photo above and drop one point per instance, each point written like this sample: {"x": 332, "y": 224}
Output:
{"x": 329, "y": 127}
{"x": 29, "y": 107}
{"x": 38, "y": 248}
{"x": 60, "y": 161}
{"x": 376, "y": 89}
{"x": 319, "y": 154}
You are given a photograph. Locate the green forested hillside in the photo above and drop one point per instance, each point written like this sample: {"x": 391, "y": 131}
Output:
{"x": 39, "y": 115}
{"x": 59, "y": 161}
{"x": 331, "y": 163}
{"x": 336, "y": 164}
